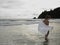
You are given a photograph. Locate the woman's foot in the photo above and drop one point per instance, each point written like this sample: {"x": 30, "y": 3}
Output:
{"x": 46, "y": 38}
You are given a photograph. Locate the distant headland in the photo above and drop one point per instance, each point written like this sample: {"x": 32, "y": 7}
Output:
{"x": 55, "y": 13}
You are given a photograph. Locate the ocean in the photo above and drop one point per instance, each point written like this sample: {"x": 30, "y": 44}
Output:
{"x": 18, "y": 32}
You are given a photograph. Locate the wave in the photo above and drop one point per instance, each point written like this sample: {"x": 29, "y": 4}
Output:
{"x": 13, "y": 22}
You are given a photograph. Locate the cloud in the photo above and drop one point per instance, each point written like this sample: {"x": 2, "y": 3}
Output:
{"x": 11, "y": 3}
{"x": 25, "y": 8}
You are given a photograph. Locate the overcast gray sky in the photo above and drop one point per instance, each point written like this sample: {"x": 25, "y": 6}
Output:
{"x": 25, "y": 8}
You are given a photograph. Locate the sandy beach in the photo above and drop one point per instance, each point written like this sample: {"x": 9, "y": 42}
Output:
{"x": 28, "y": 35}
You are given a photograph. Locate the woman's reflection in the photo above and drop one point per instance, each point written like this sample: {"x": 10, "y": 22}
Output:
{"x": 46, "y": 43}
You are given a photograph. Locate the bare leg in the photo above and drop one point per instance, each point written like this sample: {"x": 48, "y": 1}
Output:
{"x": 46, "y": 36}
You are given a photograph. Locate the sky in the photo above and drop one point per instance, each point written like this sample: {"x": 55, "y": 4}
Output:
{"x": 25, "y": 8}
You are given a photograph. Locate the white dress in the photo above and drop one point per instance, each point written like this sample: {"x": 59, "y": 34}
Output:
{"x": 43, "y": 28}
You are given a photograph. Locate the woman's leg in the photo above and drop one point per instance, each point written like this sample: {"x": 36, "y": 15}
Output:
{"x": 46, "y": 36}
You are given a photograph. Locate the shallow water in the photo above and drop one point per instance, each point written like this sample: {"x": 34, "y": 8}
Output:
{"x": 28, "y": 35}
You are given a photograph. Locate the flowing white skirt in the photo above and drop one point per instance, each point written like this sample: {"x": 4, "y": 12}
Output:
{"x": 44, "y": 28}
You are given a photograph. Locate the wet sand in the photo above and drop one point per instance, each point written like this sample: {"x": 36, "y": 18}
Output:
{"x": 23, "y": 35}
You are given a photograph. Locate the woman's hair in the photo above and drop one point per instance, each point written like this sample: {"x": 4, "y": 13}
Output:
{"x": 47, "y": 16}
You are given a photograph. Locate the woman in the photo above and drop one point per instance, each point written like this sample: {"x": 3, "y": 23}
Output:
{"x": 43, "y": 26}
{"x": 46, "y": 22}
